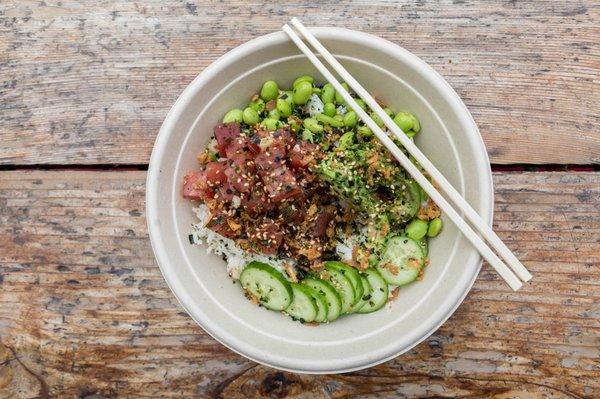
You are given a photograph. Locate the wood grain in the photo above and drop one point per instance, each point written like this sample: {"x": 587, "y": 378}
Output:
{"x": 91, "y": 81}
{"x": 84, "y": 311}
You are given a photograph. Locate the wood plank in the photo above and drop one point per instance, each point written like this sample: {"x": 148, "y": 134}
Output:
{"x": 84, "y": 309}
{"x": 90, "y": 82}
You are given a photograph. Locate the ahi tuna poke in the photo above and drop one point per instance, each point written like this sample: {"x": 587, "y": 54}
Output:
{"x": 307, "y": 208}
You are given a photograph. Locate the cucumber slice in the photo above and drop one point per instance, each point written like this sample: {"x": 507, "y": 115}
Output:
{"x": 303, "y": 307}
{"x": 424, "y": 244}
{"x": 342, "y": 285}
{"x": 352, "y": 274}
{"x": 402, "y": 261}
{"x": 366, "y": 294}
{"x": 266, "y": 284}
{"x": 329, "y": 293}
{"x": 322, "y": 308}
{"x": 379, "y": 293}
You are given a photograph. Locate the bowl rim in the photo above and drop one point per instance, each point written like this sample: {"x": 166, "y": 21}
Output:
{"x": 153, "y": 204}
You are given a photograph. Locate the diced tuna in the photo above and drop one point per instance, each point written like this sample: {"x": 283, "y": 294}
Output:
{"x": 321, "y": 222}
{"x": 194, "y": 186}
{"x": 220, "y": 225}
{"x": 256, "y": 202}
{"x": 302, "y": 155}
{"x": 226, "y": 134}
{"x": 267, "y": 237}
{"x": 280, "y": 185}
{"x": 215, "y": 173}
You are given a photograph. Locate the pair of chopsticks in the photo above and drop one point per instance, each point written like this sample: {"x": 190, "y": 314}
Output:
{"x": 512, "y": 277}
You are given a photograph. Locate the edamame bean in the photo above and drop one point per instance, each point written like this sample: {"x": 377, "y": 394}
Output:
{"x": 350, "y": 119}
{"x": 307, "y": 135}
{"x": 305, "y": 78}
{"x": 361, "y": 103}
{"x": 346, "y": 140}
{"x": 316, "y": 90}
{"x": 416, "y": 229}
{"x": 329, "y": 109}
{"x": 271, "y": 124}
{"x": 416, "y": 125}
{"x": 364, "y": 131}
{"x": 295, "y": 123}
{"x": 338, "y": 97}
{"x": 328, "y": 120}
{"x": 377, "y": 119}
{"x": 286, "y": 96}
{"x": 312, "y": 125}
{"x": 410, "y": 133}
{"x": 284, "y": 108}
{"x": 302, "y": 93}
{"x": 404, "y": 121}
{"x": 269, "y": 91}
{"x": 339, "y": 117}
{"x": 258, "y": 105}
{"x": 389, "y": 112}
{"x": 274, "y": 114}
{"x": 328, "y": 93}
{"x": 435, "y": 226}
{"x": 250, "y": 116}
{"x": 234, "y": 115}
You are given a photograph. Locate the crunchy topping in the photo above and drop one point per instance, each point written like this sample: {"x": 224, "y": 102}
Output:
{"x": 394, "y": 294}
{"x": 289, "y": 270}
{"x": 391, "y": 267}
{"x": 429, "y": 211}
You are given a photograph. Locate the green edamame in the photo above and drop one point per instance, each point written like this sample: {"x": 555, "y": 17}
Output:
{"x": 377, "y": 119}
{"x": 411, "y": 133}
{"x": 269, "y": 91}
{"x": 312, "y": 125}
{"x": 339, "y": 117}
{"x": 328, "y": 120}
{"x": 361, "y": 104}
{"x": 435, "y": 226}
{"x": 271, "y": 124}
{"x": 258, "y": 105}
{"x": 250, "y": 116}
{"x": 286, "y": 96}
{"x": 416, "y": 229}
{"x": 416, "y": 125}
{"x": 274, "y": 114}
{"x": 389, "y": 112}
{"x": 304, "y": 78}
{"x": 284, "y": 108}
{"x": 295, "y": 123}
{"x": 404, "y": 121}
{"x": 328, "y": 93}
{"x": 346, "y": 140}
{"x": 302, "y": 93}
{"x": 329, "y": 109}
{"x": 350, "y": 119}
{"x": 338, "y": 97}
{"x": 364, "y": 131}
{"x": 234, "y": 115}
{"x": 307, "y": 135}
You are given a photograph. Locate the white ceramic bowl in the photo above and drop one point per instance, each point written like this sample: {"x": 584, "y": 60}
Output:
{"x": 449, "y": 137}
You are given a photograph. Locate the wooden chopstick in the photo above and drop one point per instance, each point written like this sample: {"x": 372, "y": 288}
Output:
{"x": 508, "y": 275}
{"x": 436, "y": 175}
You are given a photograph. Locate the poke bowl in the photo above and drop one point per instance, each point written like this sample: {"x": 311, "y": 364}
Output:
{"x": 204, "y": 117}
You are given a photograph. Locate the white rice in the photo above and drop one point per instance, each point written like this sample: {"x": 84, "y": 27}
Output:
{"x": 237, "y": 258}
{"x": 314, "y": 105}
{"x": 346, "y": 244}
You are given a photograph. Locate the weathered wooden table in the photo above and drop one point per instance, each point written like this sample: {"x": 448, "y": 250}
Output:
{"x": 84, "y": 87}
